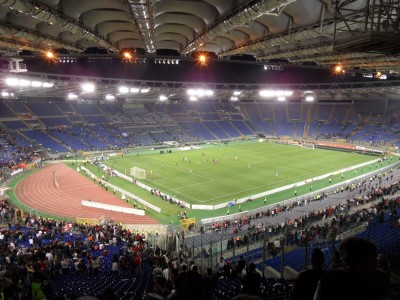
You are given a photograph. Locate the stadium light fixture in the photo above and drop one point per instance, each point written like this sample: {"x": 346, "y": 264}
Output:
{"x": 281, "y": 98}
{"x": 338, "y": 69}
{"x": 72, "y": 96}
{"x": 24, "y": 82}
{"x": 12, "y": 81}
{"x": 123, "y": 89}
{"x": 127, "y": 55}
{"x": 135, "y": 90}
{"x": 5, "y": 94}
{"x": 202, "y": 59}
{"x": 193, "y": 98}
{"x": 88, "y": 87}
{"x": 145, "y": 90}
{"x": 275, "y": 93}
{"x": 163, "y": 98}
{"x": 110, "y": 97}
{"x": 50, "y": 55}
{"x": 237, "y": 93}
{"x": 36, "y": 83}
{"x": 48, "y": 84}
{"x": 234, "y": 98}
{"x": 309, "y": 98}
{"x": 200, "y": 92}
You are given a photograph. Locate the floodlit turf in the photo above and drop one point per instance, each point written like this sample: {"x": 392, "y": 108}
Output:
{"x": 239, "y": 169}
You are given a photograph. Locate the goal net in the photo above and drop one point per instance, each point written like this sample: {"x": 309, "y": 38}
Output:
{"x": 306, "y": 145}
{"x": 138, "y": 173}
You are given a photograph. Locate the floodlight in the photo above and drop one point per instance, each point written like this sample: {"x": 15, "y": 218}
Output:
{"x": 110, "y": 97}
{"x": 237, "y": 93}
{"x": 200, "y": 92}
{"x": 36, "y": 83}
{"x": 72, "y": 96}
{"x": 47, "y": 84}
{"x": 191, "y": 92}
{"x": 202, "y": 59}
{"x": 338, "y": 69}
{"x": 145, "y": 90}
{"x": 123, "y": 89}
{"x": 50, "y": 54}
{"x": 288, "y": 93}
{"x": 12, "y": 81}
{"x": 193, "y": 98}
{"x": 5, "y": 94}
{"x": 24, "y": 82}
{"x": 163, "y": 98}
{"x": 127, "y": 56}
{"x": 309, "y": 98}
{"x": 281, "y": 98}
{"x": 88, "y": 87}
{"x": 209, "y": 92}
{"x": 233, "y": 98}
{"x": 135, "y": 90}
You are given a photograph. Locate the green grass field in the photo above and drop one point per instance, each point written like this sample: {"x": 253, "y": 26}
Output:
{"x": 241, "y": 169}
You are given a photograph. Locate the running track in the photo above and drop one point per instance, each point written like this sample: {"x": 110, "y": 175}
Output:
{"x": 39, "y": 191}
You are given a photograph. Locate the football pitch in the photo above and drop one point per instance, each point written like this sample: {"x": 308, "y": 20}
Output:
{"x": 214, "y": 174}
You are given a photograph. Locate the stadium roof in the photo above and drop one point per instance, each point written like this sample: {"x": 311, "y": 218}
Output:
{"x": 359, "y": 33}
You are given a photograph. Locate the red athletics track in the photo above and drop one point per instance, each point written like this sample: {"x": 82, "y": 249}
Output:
{"x": 39, "y": 191}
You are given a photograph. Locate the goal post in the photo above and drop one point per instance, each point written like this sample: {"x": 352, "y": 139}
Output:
{"x": 307, "y": 145}
{"x": 138, "y": 173}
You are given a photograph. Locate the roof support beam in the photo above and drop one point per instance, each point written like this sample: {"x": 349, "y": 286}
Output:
{"x": 36, "y": 37}
{"x": 241, "y": 17}
{"x": 53, "y": 17}
{"x": 143, "y": 15}
{"x": 12, "y": 44}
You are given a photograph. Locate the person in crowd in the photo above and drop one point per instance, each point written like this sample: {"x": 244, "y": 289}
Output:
{"x": 161, "y": 291}
{"x": 359, "y": 279}
{"x": 241, "y": 265}
{"x": 193, "y": 288}
{"x": 307, "y": 281}
{"x": 252, "y": 281}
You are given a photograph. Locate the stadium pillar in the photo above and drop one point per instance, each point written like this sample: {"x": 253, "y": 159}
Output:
{"x": 305, "y": 250}
{"x": 211, "y": 253}
{"x": 247, "y": 248}
{"x": 221, "y": 243}
{"x": 202, "y": 253}
{"x": 283, "y": 251}
{"x": 193, "y": 248}
{"x": 233, "y": 247}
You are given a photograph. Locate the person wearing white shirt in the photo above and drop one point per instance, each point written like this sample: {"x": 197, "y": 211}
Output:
{"x": 49, "y": 256}
{"x": 114, "y": 266}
